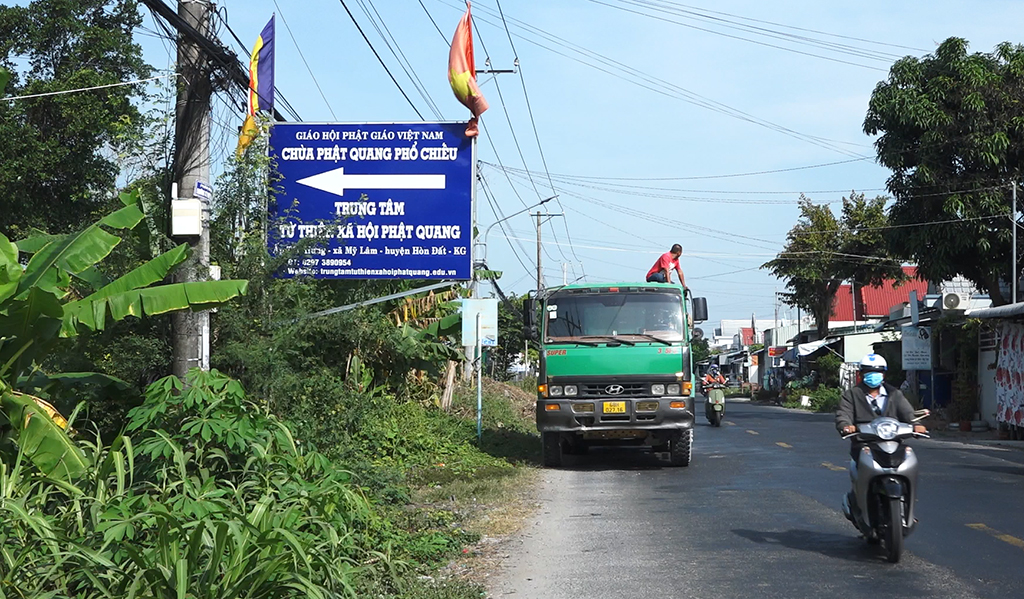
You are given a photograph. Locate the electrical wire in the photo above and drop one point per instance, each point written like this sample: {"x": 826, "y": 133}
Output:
{"x": 380, "y": 60}
{"x": 776, "y": 24}
{"x": 396, "y": 50}
{"x": 500, "y": 217}
{"x": 278, "y": 96}
{"x": 660, "y": 86}
{"x": 828, "y": 46}
{"x": 536, "y": 134}
{"x": 434, "y": 23}
{"x": 735, "y": 175}
{"x": 303, "y": 57}
{"x": 86, "y": 89}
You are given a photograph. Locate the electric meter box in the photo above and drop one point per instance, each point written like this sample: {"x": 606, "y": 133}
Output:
{"x": 186, "y": 218}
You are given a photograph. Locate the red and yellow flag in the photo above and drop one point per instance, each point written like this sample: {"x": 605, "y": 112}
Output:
{"x": 462, "y": 72}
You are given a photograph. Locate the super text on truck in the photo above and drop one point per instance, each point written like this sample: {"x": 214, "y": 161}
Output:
{"x": 615, "y": 367}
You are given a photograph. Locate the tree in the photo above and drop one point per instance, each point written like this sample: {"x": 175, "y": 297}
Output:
{"x": 822, "y": 251}
{"x": 952, "y": 132}
{"x": 60, "y": 152}
{"x": 700, "y": 349}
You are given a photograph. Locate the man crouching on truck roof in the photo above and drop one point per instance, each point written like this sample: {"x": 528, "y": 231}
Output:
{"x": 661, "y": 271}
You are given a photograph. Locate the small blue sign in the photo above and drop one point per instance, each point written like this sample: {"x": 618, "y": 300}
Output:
{"x": 377, "y": 201}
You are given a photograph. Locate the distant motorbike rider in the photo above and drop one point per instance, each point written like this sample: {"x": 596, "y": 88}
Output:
{"x": 713, "y": 376}
{"x": 870, "y": 399}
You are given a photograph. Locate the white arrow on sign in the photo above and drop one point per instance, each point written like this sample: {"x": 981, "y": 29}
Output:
{"x": 336, "y": 181}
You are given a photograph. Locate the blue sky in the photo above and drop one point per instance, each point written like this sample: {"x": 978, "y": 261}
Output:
{"x": 594, "y": 126}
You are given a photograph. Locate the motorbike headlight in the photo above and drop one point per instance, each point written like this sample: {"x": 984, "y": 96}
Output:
{"x": 571, "y": 390}
{"x": 673, "y": 389}
{"x": 555, "y": 391}
{"x": 887, "y": 430}
{"x": 658, "y": 389}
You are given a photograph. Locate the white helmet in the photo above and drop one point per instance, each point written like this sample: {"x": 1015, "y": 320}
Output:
{"x": 873, "y": 362}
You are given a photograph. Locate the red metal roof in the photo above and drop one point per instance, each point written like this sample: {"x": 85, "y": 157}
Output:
{"x": 875, "y": 302}
{"x": 746, "y": 336}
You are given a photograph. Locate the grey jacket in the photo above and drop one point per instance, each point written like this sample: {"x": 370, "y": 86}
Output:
{"x": 855, "y": 409}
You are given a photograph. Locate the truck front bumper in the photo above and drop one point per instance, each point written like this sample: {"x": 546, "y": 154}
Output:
{"x": 596, "y": 415}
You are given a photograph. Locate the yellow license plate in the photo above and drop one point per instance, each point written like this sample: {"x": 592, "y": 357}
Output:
{"x": 614, "y": 407}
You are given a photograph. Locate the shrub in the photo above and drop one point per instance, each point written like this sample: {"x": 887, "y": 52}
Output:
{"x": 825, "y": 399}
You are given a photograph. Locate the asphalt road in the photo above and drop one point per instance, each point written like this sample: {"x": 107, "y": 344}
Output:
{"x": 757, "y": 514}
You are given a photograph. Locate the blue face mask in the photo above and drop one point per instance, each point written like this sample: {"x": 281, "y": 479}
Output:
{"x": 873, "y": 379}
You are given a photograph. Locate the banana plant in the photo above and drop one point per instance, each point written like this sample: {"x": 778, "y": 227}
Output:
{"x": 39, "y": 304}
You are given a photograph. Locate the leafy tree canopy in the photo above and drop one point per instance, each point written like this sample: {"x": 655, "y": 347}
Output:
{"x": 951, "y": 128}
{"x": 822, "y": 251}
{"x": 60, "y": 152}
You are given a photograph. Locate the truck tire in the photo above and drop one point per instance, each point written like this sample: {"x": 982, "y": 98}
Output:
{"x": 551, "y": 449}
{"x": 681, "y": 448}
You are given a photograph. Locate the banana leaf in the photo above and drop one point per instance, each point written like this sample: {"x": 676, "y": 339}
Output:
{"x": 40, "y": 380}
{"x": 151, "y": 301}
{"x": 10, "y": 270}
{"x": 41, "y": 439}
{"x": 77, "y": 252}
{"x": 151, "y": 272}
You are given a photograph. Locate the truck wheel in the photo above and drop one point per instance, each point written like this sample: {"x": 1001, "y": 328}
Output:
{"x": 551, "y": 449}
{"x": 681, "y": 448}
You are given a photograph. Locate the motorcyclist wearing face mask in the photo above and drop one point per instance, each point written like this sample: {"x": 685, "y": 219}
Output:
{"x": 870, "y": 399}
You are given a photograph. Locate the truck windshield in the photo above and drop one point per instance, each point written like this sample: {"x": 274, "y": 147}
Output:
{"x": 647, "y": 315}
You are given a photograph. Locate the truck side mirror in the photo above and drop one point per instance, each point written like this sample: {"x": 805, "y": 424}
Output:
{"x": 700, "y": 309}
{"x": 529, "y": 318}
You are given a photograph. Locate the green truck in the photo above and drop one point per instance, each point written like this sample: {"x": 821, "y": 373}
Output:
{"x": 615, "y": 367}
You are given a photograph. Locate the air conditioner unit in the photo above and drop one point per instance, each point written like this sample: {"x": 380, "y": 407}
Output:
{"x": 955, "y": 301}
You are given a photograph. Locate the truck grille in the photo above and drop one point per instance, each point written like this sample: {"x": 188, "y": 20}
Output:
{"x": 601, "y": 390}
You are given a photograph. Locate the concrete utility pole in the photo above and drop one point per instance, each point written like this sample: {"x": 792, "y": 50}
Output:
{"x": 540, "y": 276}
{"x": 191, "y": 330}
{"x": 541, "y": 217}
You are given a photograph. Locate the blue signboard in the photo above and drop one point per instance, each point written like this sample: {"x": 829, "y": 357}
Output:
{"x": 375, "y": 201}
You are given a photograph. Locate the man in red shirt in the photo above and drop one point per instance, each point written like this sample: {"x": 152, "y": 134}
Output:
{"x": 661, "y": 272}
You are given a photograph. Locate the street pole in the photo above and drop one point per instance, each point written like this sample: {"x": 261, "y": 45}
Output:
{"x": 539, "y": 214}
{"x": 1013, "y": 224}
{"x": 540, "y": 277}
{"x": 190, "y": 336}
{"x": 479, "y": 384}
{"x": 565, "y": 274}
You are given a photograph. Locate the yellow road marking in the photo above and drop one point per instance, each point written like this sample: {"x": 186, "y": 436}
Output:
{"x": 833, "y": 467}
{"x": 730, "y": 423}
{"x": 1012, "y": 540}
{"x": 753, "y": 432}
{"x": 786, "y": 445}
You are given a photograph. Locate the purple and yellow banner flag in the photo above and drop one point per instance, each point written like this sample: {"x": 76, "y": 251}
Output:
{"x": 261, "y": 84}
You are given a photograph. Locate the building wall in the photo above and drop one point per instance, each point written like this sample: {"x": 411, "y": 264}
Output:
{"x": 855, "y": 347}
{"x": 987, "y": 385}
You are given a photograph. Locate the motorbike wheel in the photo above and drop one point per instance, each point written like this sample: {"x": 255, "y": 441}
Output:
{"x": 894, "y": 534}
{"x": 716, "y": 419}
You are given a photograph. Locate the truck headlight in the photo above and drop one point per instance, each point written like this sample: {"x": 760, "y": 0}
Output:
{"x": 658, "y": 389}
{"x": 571, "y": 390}
{"x": 555, "y": 391}
{"x": 673, "y": 389}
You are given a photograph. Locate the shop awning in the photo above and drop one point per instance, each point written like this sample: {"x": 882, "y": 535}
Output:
{"x": 806, "y": 349}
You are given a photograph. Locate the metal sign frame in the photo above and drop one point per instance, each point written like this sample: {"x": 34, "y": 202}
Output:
{"x": 387, "y": 200}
